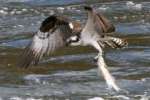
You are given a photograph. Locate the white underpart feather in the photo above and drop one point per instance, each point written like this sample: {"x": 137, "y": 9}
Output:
{"x": 107, "y": 76}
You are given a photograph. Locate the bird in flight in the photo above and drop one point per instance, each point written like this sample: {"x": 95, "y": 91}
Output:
{"x": 57, "y": 31}
{"x": 96, "y": 33}
{"x": 52, "y": 35}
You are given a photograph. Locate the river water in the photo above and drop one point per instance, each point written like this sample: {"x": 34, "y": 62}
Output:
{"x": 71, "y": 74}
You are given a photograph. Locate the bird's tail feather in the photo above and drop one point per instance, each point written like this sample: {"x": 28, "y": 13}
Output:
{"x": 115, "y": 42}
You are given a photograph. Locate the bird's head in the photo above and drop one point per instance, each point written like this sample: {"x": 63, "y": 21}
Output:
{"x": 73, "y": 40}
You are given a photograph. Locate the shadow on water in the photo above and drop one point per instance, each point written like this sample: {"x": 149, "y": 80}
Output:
{"x": 71, "y": 73}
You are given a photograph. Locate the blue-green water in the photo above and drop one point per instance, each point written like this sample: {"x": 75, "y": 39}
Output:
{"x": 71, "y": 74}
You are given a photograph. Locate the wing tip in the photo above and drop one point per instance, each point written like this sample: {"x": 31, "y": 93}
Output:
{"x": 28, "y": 57}
{"x": 25, "y": 60}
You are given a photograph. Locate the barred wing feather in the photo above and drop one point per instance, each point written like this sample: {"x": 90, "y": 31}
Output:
{"x": 44, "y": 44}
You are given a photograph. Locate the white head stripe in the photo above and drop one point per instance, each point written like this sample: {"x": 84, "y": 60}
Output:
{"x": 74, "y": 38}
{"x": 71, "y": 25}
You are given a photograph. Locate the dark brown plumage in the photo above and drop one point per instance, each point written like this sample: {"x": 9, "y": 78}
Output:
{"x": 48, "y": 23}
{"x": 105, "y": 24}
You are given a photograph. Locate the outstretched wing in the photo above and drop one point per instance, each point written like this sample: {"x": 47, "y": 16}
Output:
{"x": 102, "y": 24}
{"x": 45, "y": 43}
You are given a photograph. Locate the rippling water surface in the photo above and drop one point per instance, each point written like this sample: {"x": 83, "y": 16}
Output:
{"x": 71, "y": 74}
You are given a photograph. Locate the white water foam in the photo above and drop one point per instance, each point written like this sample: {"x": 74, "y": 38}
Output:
{"x": 96, "y": 98}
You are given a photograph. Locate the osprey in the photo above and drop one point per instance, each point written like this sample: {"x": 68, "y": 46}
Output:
{"x": 96, "y": 33}
{"x": 52, "y": 35}
{"x": 57, "y": 31}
